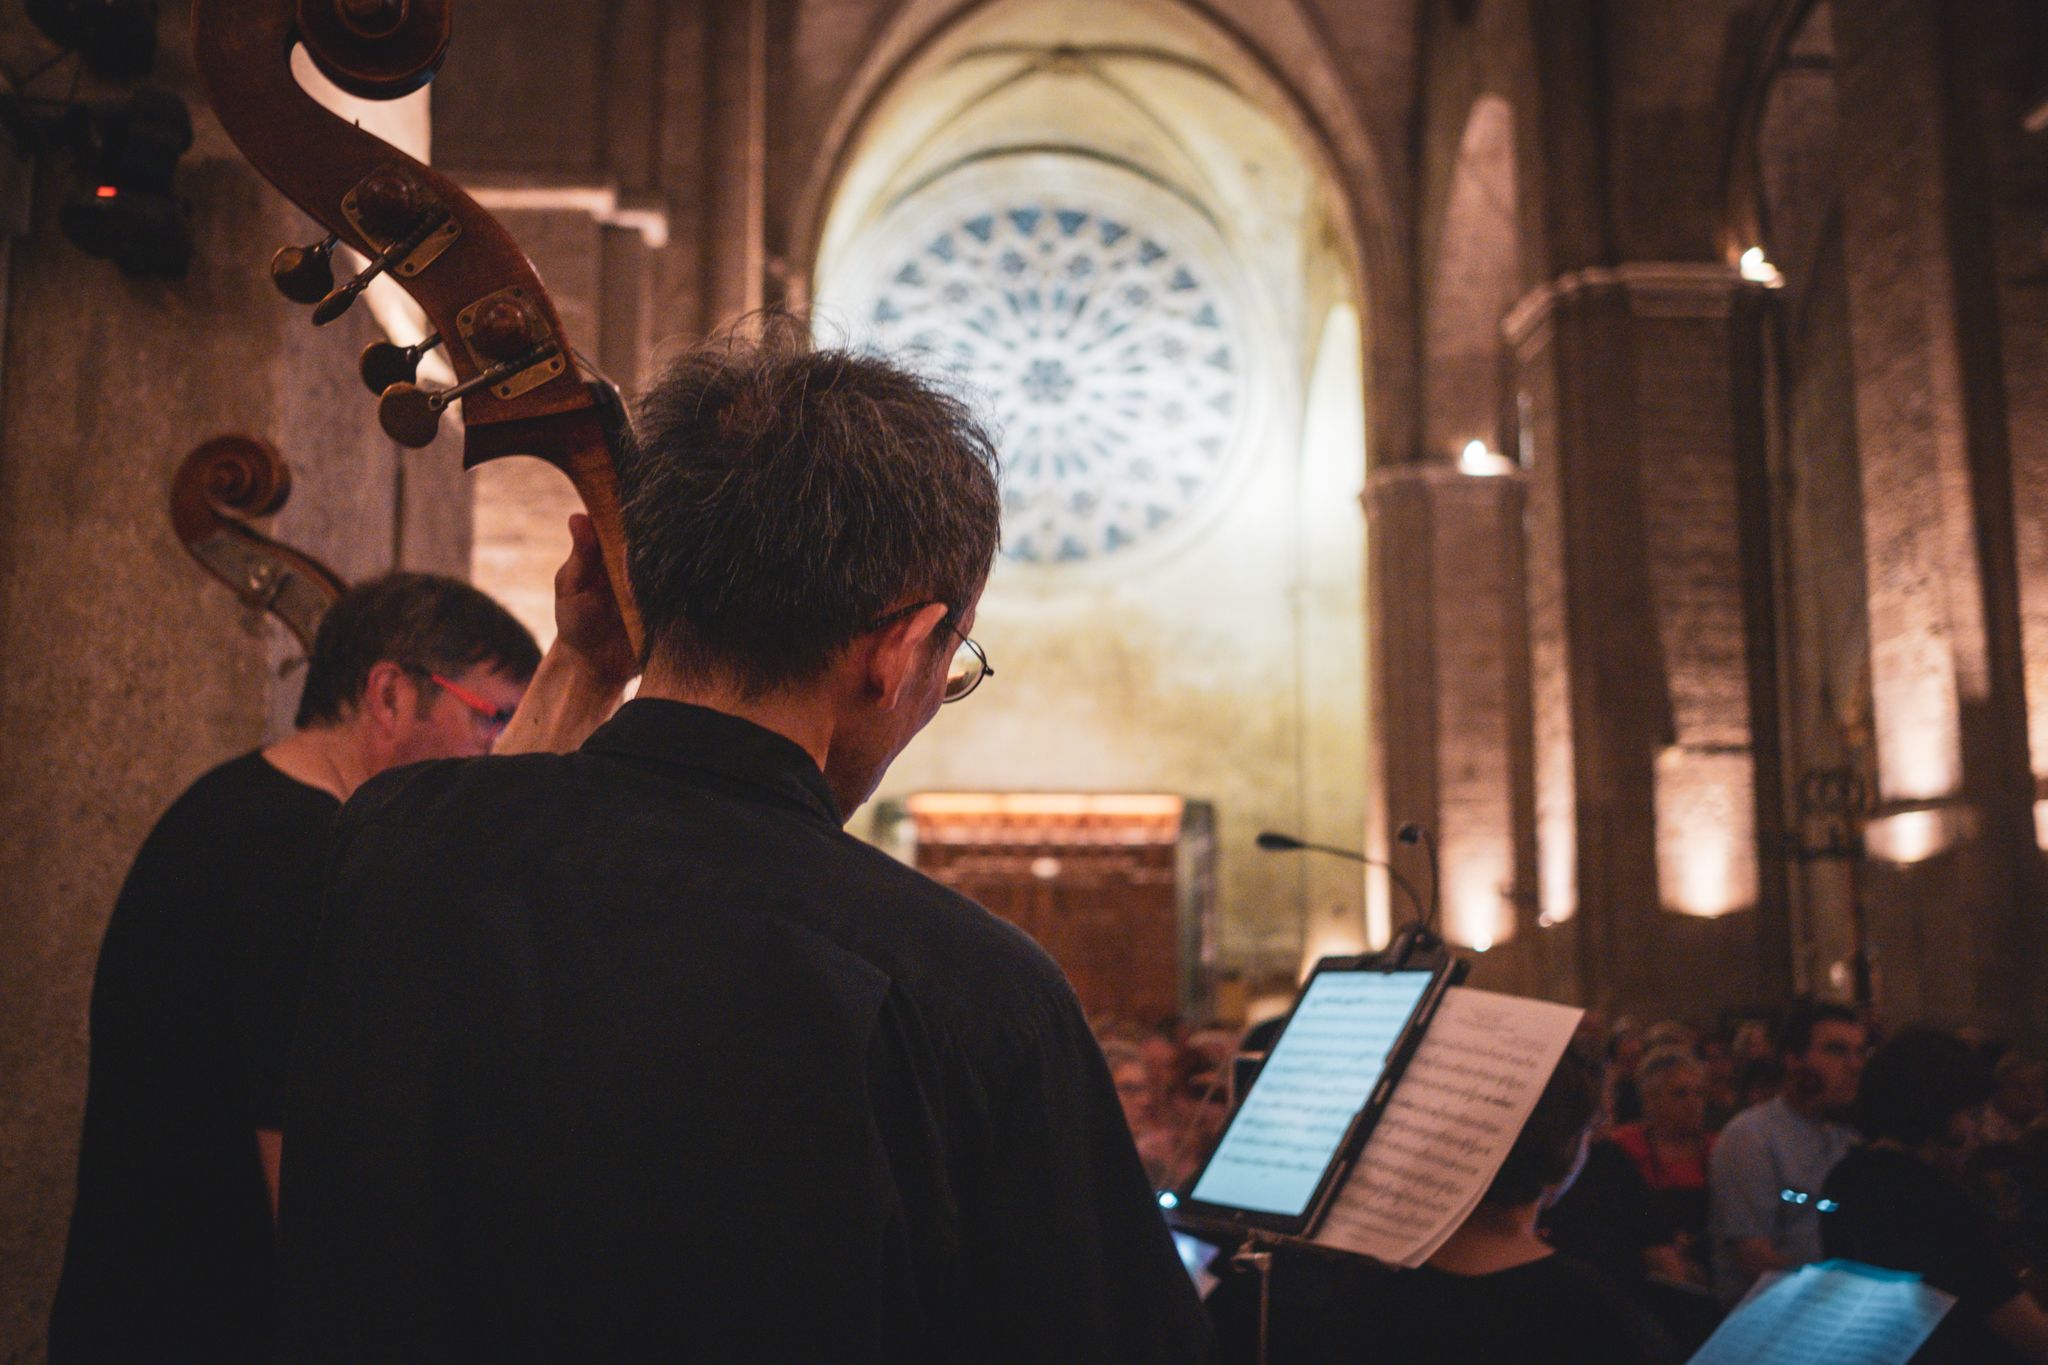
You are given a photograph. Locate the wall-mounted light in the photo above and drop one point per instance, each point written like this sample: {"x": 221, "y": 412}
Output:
{"x": 1482, "y": 461}
{"x": 1706, "y": 830}
{"x": 1913, "y": 834}
{"x": 1757, "y": 269}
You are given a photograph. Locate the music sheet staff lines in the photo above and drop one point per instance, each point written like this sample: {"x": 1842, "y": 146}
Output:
{"x": 1320, "y": 1075}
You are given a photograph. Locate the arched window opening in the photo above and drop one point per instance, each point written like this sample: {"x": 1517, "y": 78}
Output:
{"x": 1123, "y": 252}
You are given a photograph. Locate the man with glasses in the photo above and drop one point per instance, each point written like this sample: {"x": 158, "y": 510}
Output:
{"x": 171, "y": 1245}
{"x": 634, "y": 1053}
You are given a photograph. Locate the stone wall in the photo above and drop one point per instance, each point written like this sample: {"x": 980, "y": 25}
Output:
{"x": 128, "y": 670}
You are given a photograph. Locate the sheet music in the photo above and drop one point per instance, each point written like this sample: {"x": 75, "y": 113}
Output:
{"x": 1321, "y": 1073}
{"x": 1455, "y": 1113}
{"x": 1837, "y": 1311}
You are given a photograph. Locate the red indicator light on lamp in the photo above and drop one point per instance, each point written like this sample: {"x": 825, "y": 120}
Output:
{"x": 106, "y": 192}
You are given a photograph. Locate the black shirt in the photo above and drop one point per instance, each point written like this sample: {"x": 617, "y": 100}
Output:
{"x": 634, "y": 1053}
{"x": 170, "y": 1250}
{"x": 1896, "y": 1211}
{"x": 1610, "y": 1216}
{"x": 1329, "y": 1308}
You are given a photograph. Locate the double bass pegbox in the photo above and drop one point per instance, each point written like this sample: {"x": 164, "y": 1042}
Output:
{"x": 395, "y": 214}
{"x": 390, "y": 205}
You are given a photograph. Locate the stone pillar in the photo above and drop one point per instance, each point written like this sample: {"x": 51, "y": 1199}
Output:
{"x": 715, "y": 162}
{"x": 1453, "y": 663}
{"x": 1649, "y": 601}
{"x": 1956, "y": 913}
{"x": 128, "y": 671}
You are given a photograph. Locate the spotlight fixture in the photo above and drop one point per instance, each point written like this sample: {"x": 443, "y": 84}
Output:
{"x": 121, "y": 207}
{"x": 115, "y": 38}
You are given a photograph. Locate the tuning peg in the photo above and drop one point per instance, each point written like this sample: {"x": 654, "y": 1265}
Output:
{"x": 339, "y": 300}
{"x": 383, "y": 364}
{"x": 411, "y": 415}
{"x": 304, "y": 274}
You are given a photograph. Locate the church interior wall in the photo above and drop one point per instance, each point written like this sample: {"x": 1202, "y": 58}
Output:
{"x": 129, "y": 670}
{"x": 1736, "y": 529}
{"x": 1267, "y": 594}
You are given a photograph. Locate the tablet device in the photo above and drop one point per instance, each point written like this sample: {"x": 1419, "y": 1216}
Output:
{"x": 1322, "y": 1087}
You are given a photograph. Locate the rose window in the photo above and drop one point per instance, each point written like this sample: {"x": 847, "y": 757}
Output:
{"x": 1114, "y": 368}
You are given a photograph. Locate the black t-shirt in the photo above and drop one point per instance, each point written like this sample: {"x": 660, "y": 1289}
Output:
{"x": 1326, "y": 1308}
{"x": 1898, "y": 1212}
{"x": 1609, "y": 1216}
{"x": 634, "y": 1053}
{"x": 170, "y": 1254}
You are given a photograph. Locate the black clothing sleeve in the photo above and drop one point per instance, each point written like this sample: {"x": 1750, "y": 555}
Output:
{"x": 1069, "y": 1257}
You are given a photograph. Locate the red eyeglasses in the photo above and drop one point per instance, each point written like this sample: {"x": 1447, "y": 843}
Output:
{"x": 498, "y": 717}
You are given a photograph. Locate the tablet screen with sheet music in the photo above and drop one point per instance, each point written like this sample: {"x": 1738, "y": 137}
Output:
{"x": 1284, "y": 1139}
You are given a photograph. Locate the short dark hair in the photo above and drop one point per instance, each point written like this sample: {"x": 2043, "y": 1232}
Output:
{"x": 1548, "y": 1146}
{"x": 1916, "y": 1083}
{"x": 780, "y": 498}
{"x": 416, "y": 619}
{"x": 1807, "y": 1014}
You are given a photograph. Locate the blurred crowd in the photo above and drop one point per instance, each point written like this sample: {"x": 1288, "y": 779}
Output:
{"x": 1721, "y": 1153}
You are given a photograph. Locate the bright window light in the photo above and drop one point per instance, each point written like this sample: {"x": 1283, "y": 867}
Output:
{"x": 1478, "y": 459}
{"x": 1757, "y": 268}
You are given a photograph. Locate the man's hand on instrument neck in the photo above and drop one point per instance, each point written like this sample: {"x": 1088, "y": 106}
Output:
{"x": 585, "y": 672}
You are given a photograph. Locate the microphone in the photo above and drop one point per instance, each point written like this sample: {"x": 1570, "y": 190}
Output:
{"x": 1411, "y": 833}
{"x": 1275, "y": 842}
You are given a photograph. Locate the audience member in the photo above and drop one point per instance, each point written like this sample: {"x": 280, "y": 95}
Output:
{"x": 2019, "y": 1096}
{"x": 1760, "y": 1082}
{"x": 1752, "y": 1043}
{"x": 1669, "y": 1147}
{"x": 1625, "y": 1052}
{"x": 1767, "y": 1168}
{"x": 1494, "y": 1292}
{"x": 1717, "y": 1069}
{"x": 1899, "y": 1201}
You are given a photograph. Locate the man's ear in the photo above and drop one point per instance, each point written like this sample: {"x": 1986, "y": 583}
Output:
{"x": 390, "y": 698}
{"x": 899, "y": 654}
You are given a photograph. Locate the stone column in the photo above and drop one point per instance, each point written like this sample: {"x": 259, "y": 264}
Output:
{"x": 1453, "y": 661}
{"x": 1649, "y": 602}
{"x": 1956, "y": 918}
{"x": 127, "y": 670}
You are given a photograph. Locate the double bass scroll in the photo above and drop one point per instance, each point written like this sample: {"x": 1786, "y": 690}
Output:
{"x": 221, "y": 484}
{"x": 522, "y": 387}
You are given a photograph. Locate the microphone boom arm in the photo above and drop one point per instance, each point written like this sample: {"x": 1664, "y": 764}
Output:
{"x": 1274, "y": 843}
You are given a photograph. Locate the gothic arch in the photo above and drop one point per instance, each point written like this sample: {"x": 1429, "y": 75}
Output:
{"x": 1147, "y": 175}
{"x": 1305, "y": 93}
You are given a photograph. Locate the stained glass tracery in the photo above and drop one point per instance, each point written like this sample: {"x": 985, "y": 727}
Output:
{"x": 1114, "y": 367}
